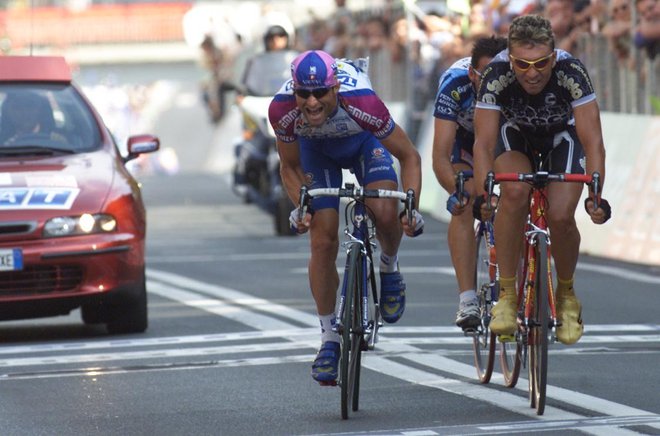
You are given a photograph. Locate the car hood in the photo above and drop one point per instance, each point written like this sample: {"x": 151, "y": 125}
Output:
{"x": 73, "y": 183}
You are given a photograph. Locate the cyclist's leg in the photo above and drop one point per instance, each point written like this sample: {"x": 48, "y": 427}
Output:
{"x": 511, "y": 156}
{"x": 460, "y": 237}
{"x": 324, "y": 243}
{"x": 566, "y": 157}
{"x": 377, "y": 172}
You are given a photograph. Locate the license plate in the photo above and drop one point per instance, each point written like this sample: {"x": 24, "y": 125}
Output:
{"x": 11, "y": 259}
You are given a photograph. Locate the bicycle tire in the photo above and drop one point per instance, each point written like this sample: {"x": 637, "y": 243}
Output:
{"x": 483, "y": 340}
{"x": 538, "y": 345}
{"x": 356, "y": 353}
{"x": 350, "y": 350}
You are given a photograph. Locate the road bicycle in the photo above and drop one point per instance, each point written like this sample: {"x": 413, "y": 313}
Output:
{"x": 537, "y": 317}
{"x": 486, "y": 286}
{"x": 358, "y": 312}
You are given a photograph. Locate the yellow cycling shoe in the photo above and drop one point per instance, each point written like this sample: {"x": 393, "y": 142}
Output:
{"x": 504, "y": 314}
{"x": 569, "y": 314}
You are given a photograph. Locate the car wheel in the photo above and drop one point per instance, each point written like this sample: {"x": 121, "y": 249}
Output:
{"x": 93, "y": 313}
{"x": 128, "y": 314}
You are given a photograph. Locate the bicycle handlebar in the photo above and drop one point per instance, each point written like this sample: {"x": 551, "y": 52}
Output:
{"x": 356, "y": 193}
{"x": 540, "y": 179}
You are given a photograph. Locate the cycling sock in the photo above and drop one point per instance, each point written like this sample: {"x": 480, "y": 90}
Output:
{"x": 507, "y": 285}
{"x": 467, "y": 296}
{"x": 327, "y": 328}
{"x": 388, "y": 264}
{"x": 565, "y": 287}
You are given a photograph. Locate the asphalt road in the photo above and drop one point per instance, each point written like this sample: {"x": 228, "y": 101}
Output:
{"x": 233, "y": 332}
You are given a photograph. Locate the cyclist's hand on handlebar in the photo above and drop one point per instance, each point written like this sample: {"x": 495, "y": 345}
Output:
{"x": 298, "y": 226}
{"x": 417, "y": 226}
{"x": 454, "y": 206}
{"x": 601, "y": 214}
{"x": 481, "y": 210}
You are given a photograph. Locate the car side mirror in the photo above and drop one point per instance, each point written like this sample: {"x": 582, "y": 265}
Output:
{"x": 139, "y": 144}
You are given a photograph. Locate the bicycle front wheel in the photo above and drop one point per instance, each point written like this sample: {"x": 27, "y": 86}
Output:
{"x": 351, "y": 335}
{"x": 538, "y": 341}
{"x": 483, "y": 340}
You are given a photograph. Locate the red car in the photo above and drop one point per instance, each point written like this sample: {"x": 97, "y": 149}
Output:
{"x": 72, "y": 219}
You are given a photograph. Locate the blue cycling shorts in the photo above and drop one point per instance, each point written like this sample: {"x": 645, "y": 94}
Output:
{"x": 463, "y": 144}
{"x": 324, "y": 158}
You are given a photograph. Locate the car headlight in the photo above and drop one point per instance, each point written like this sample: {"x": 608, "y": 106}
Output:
{"x": 79, "y": 225}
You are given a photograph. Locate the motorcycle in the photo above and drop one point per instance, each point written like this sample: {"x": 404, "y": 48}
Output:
{"x": 256, "y": 172}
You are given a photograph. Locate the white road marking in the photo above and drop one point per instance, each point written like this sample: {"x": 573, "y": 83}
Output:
{"x": 633, "y": 276}
{"x": 256, "y": 313}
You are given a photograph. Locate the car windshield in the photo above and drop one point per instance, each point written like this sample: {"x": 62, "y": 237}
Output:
{"x": 266, "y": 72}
{"x": 45, "y": 119}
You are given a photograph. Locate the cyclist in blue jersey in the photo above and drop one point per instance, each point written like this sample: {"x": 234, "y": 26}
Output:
{"x": 328, "y": 118}
{"x": 535, "y": 99}
{"x": 452, "y": 151}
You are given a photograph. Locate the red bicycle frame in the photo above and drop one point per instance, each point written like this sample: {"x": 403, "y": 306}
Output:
{"x": 536, "y": 223}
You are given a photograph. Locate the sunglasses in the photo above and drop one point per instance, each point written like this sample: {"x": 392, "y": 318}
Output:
{"x": 317, "y": 93}
{"x": 539, "y": 65}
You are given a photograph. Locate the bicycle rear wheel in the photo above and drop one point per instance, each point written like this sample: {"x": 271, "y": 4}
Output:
{"x": 483, "y": 340}
{"x": 351, "y": 335}
{"x": 538, "y": 342}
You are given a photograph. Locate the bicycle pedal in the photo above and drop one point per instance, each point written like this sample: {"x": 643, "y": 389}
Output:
{"x": 328, "y": 383}
{"x": 470, "y": 332}
{"x": 507, "y": 338}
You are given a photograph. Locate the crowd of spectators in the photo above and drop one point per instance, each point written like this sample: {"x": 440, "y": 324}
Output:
{"x": 434, "y": 39}
{"x": 415, "y": 52}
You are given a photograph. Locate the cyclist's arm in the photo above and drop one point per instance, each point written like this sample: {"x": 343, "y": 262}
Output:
{"x": 291, "y": 171}
{"x": 486, "y": 131}
{"x": 403, "y": 149}
{"x": 444, "y": 136}
{"x": 587, "y": 124}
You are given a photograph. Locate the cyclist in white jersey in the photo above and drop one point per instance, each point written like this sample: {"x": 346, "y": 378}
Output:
{"x": 328, "y": 118}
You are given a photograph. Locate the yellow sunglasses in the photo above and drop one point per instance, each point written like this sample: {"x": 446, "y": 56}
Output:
{"x": 539, "y": 65}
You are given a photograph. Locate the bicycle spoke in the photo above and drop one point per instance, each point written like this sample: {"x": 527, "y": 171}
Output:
{"x": 483, "y": 341}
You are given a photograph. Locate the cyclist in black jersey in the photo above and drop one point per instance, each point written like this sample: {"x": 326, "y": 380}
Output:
{"x": 535, "y": 99}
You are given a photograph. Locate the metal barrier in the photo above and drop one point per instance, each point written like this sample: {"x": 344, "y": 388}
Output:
{"x": 619, "y": 87}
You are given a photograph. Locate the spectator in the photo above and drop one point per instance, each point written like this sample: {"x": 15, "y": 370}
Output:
{"x": 318, "y": 33}
{"x": 647, "y": 32}
{"x": 561, "y": 16}
{"x": 276, "y": 38}
{"x": 618, "y": 29}
{"x": 585, "y": 15}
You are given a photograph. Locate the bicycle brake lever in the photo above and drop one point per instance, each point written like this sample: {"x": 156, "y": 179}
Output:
{"x": 595, "y": 188}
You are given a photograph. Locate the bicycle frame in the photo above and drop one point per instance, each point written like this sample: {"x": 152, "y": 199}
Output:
{"x": 357, "y": 335}
{"x": 536, "y": 227}
{"x": 362, "y": 235}
{"x": 537, "y": 317}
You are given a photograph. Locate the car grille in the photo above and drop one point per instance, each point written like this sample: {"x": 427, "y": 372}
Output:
{"x": 41, "y": 279}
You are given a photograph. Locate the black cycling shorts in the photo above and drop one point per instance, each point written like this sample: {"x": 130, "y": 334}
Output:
{"x": 559, "y": 153}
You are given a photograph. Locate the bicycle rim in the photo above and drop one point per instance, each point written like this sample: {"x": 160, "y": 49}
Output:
{"x": 483, "y": 341}
{"x": 356, "y": 352}
{"x": 539, "y": 339}
{"x": 346, "y": 376}
{"x": 510, "y": 362}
